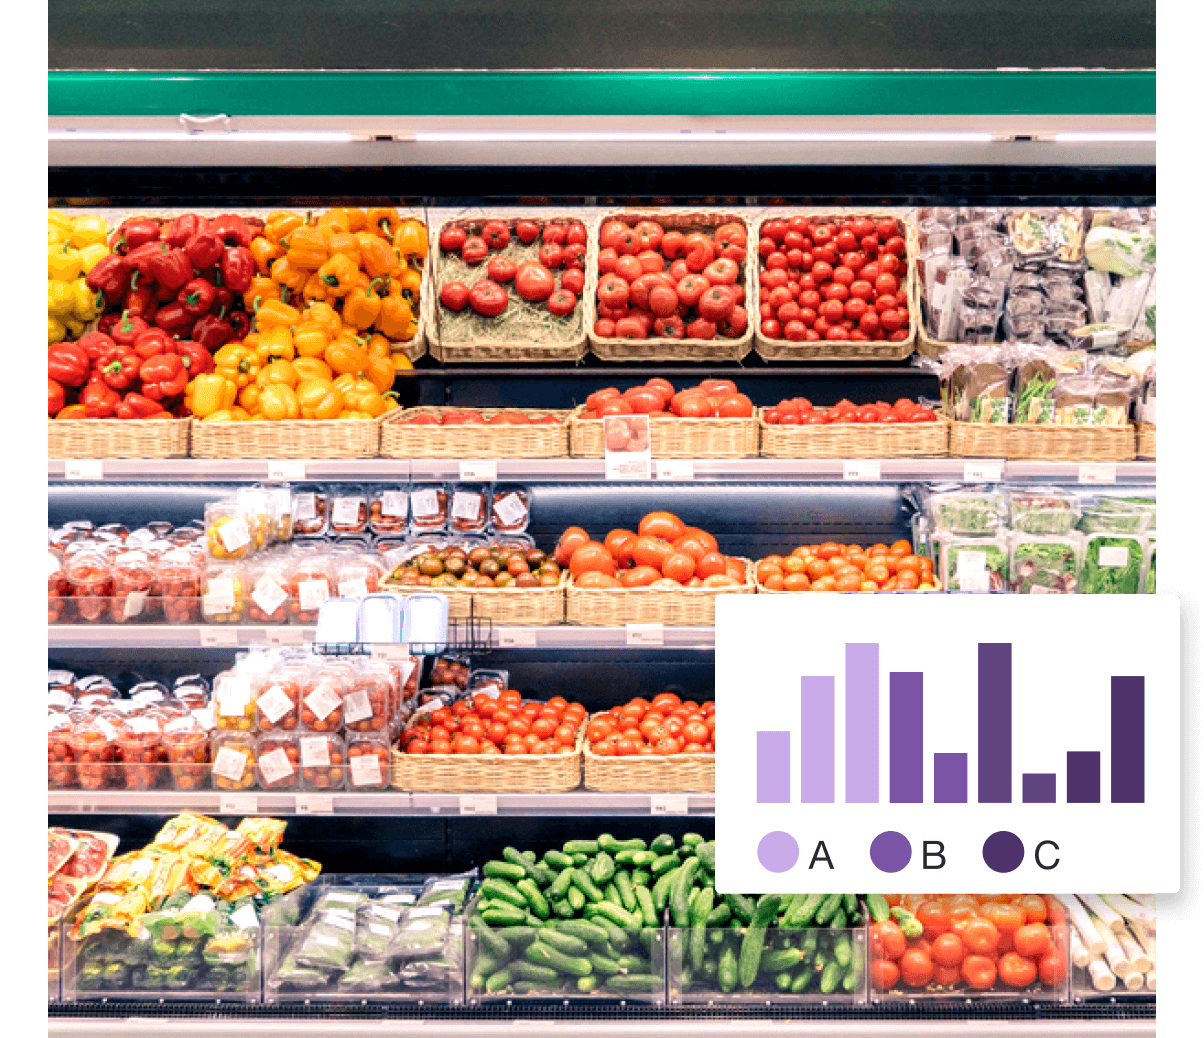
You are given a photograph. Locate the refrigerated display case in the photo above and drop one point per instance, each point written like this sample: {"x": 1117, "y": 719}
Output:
{"x": 1006, "y": 121}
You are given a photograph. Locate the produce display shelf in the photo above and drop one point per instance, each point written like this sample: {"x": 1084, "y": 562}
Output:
{"x": 383, "y": 802}
{"x": 574, "y": 470}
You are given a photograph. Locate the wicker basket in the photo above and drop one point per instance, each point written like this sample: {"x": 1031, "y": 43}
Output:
{"x": 854, "y": 440}
{"x": 299, "y": 438}
{"x": 1147, "y": 441}
{"x": 674, "y": 437}
{"x": 488, "y": 773}
{"x": 398, "y": 440}
{"x": 117, "y": 438}
{"x": 673, "y": 607}
{"x": 1043, "y": 442}
{"x": 717, "y": 349}
{"x": 781, "y": 349}
{"x": 492, "y": 350}
{"x": 677, "y": 773}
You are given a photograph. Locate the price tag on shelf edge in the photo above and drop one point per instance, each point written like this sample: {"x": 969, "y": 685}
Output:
{"x": 315, "y": 804}
{"x": 669, "y": 803}
{"x": 285, "y": 635}
{"x": 83, "y": 468}
{"x": 392, "y": 652}
{"x": 680, "y": 470}
{"x": 645, "y": 634}
{"x": 1097, "y": 472}
{"x": 286, "y": 470}
{"x": 478, "y": 804}
{"x": 982, "y": 472}
{"x": 481, "y": 470}
{"x": 515, "y": 637}
{"x": 219, "y": 636}
{"x": 862, "y": 469}
{"x": 238, "y": 804}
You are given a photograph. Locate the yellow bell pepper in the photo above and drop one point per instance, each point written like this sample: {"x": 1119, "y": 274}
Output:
{"x": 225, "y": 415}
{"x": 408, "y": 285}
{"x": 276, "y": 373}
{"x": 380, "y": 372}
{"x": 248, "y": 398}
{"x": 259, "y": 292}
{"x": 396, "y": 319}
{"x": 60, "y": 300}
{"x": 339, "y": 273}
{"x": 237, "y": 362}
{"x": 384, "y": 222}
{"x": 278, "y": 403}
{"x": 336, "y": 220}
{"x": 312, "y": 367}
{"x": 56, "y": 331}
{"x": 378, "y": 346}
{"x": 210, "y": 393}
{"x": 263, "y": 252}
{"x": 346, "y": 382}
{"x": 362, "y": 395}
{"x": 287, "y": 273}
{"x": 63, "y": 263}
{"x": 275, "y": 342}
{"x": 411, "y": 241}
{"x": 325, "y": 315}
{"x": 362, "y": 307}
{"x": 315, "y": 289}
{"x": 93, "y": 254}
{"x": 310, "y": 339}
{"x": 58, "y": 222}
{"x": 317, "y": 398}
{"x": 272, "y": 313}
{"x": 88, "y": 230}
{"x": 85, "y": 306}
{"x": 346, "y": 358}
{"x": 345, "y": 244}
{"x": 307, "y": 247}
{"x": 401, "y": 362}
{"x": 281, "y": 223}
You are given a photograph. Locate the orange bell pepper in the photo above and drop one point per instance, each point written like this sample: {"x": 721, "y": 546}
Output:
{"x": 311, "y": 367}
{"x": 280, "y": 224}
{"x": 263, "y": 251}
{"x": 378, "y": 345}
{"x": 334, "y": 220}
{"x": 310, "y": 339}
{"x": 292, "y": 277}
{"x": 327, "y": 317}
{"x": 272, "y": 313}
{"x": 339, "y": 273}
{"x": 376, "y": 257}
{"x": 308, "y": 248}
{"x": 396, "y": 319}
{"x": 275, "y": 342}
{"x": 276, "y": 373}
{"x": 408, "y": 285}
{"x": 72, "y": 411}
{"x": 345, "y": 244}
{"x": 259, "y": 291}
{"x": 278, "y": 402}
{"x": 315, "y": 290}
{"x": 411, "y": 241}
{"x": 361, "y": 308}
{"x": 384, "y": 222}
{"x": 381, "y": 373}
{"x": 347, "y": 358}
{"x": 317, "y": 398}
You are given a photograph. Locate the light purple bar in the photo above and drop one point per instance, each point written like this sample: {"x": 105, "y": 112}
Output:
{"x": 906, "y": 737}
{"x": 773, "y": 767}
{"x": 949, "y": 778}
{"x": 861, "y": 723}
{"x": 817, "y": 765}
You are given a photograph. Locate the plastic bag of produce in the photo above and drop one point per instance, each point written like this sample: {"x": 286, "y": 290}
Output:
{"x": 329, "y": 943}
{"x": 376, "y": 923}
{"x": 421, "y": 934}
{"x": 448, "y": 890}
{"x": 1042, "y": 510}
{"x": 1115, "y": 251}
{"x": 367, "y": 976}
{"x": 974, "y": 563}
{"x": 966, "y": 510}
{"x": 1044, "y": 565}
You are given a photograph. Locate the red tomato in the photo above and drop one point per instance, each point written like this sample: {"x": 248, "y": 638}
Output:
{"x": 592, "y": 556}
{"x": 474, "y": 250}
{"x": 488, "y": 298}
{"x": 1032, "y": 940}
{"x": 978, "y": 971}
{"x": 454, "y": 295}
{"x": 534, "y": 282}
{"x": 496, "y": 234}
{"x": 562, "y": 302}
{"x": 884, "y": 974}
{"x": 947, "y": 950}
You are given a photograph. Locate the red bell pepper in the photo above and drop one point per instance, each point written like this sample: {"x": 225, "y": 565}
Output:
{"x": 140, "y": 302}
{"x": 173, "y": 318}
{"x": 255, "y": 224}
{"x": 223, "y": 301}
{"x": 163, "y": 376}
{"x": 119, "y": 367}
{"x": 99, "y": 400}
{"x": 135, "y": 405}
{"x": 204, "y": 249}
{"x": 197, "y": 360}
{"x": 240, "y": 325}
{"x": 232, "y": 230}
{"x": 182, "y": 228}
{"x": 152, "y": 342}
{"x": 136, "y": 231}
{"x": 68, "y": 363}
{"x": 164, "y": 294}
{"x": 56, "y": 398}
{"x": 139, "y": 262}
{"x": 129, "y": 328}
{"x": 111, "y": 276}
{"x": 212, "y": 332}
{"x": 171, "y": 268}
{"x": 96, "y": 343}
{"x": 238, "y": 268}
{"x": 197, "y": 297}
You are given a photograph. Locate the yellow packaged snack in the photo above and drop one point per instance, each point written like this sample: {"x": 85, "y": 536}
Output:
{"x": 169, "y": 876}
{"x": 188, "y": 828}
{"x": 110, "y": 911}
{"x": 130, "y": 871}
{"x": 264, "y": 833}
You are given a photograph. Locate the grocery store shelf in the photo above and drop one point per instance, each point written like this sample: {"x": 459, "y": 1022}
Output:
{"x": 593, "y": 470}
{"x": 151, "y": 636}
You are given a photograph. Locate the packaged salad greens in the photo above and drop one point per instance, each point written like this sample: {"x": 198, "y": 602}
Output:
{"x": 447, "y": 890}
{"x": 1112, "y": 564}
{"x": 973, "y": 563}
{"x": 967, "y": 510}
{"x": 1047, "y": 565}
{"x": 1150, "y": 581}
{"x": 1042, "y": 510}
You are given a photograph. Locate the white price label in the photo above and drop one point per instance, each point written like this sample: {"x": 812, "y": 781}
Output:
{"x": 238, "y": 804}
{"x": 424, "y": 503}
{"x": 466, "y": 505}
{"x": 395, "y": 504}
{"x": 862, "y": 469}
{"x": 223, "y": 637}
{"x": 509, "y": 508}
{"x": 284, "y": 636}
{"x": 83, "y": 468}
{"x": 622, "y": 465}
{"x": 390, "y": 652}
{"x": 268, "y": 595}
{"x": 274, "y": 703}
{"x": 669, "y": 804}
{"x": 353, "y": 588}
{"x": 315, "y": 751}
{"x": 315, "y": 804}
{"x": 229, "y": 763}
{"x": 1112, "y": 556}
{"x": 134, "y": 603}
{"x": 219, "y": 595}
{"x": 286, "y": 470}
{"x": 1097, "y": 472}
{"x": 312, "y": 593}
{"x": 245, "y": 917}
{"x": 275, "y": 766}
{"x": 515, "y": 637}
{"x": 305, "y": 506}
{"x": 365, "y": 771}
{"x": 356, "y": 707}
{"x": 680, "y": 470}
{"x": 346, "y": 511}
{"x": 478, "y": 804}
{"x": 478, "y": 471}
{"x": 645, "y": 634}
{"x": 982, "y": 472}
{"x": 235, "y": 534}
{"x": 323, "y": 701}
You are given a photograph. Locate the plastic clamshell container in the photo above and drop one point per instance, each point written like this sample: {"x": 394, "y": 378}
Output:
{"x": 54, "y": 946}
{"x": 688, "y": 986}
{"x": 337, "y": 622}
{"x": 379, "y": 619}
{"x": 150, "y": 966}
{"x": 385, "y": 901}
{"x": 1044, "y": 564}
{"x": 1042, "y": 510}
{"x": 424, "y": 620}
{"x": 648, "y": 944}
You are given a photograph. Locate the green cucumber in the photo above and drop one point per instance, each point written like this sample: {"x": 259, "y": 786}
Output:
{"x": 518, "y": 937}
{"x": 663, "y": 844}
{"x": 783, "y": 959}
{"x": 516, "y": 857}
{"x": 504, "y": 870}
{"x": 503, "y": 978}
{"x": 608, "y": 843}
{"x": 741, "y": 906}
{"x": 706, "y": 854}
{"x": 583, "y": 882}
{"x": 643, "y": 899}
{"x": 720, "y": 914}
{"x": 849, "y": 903}
{"x": 531, "y": 971}
{"x": 562, "y": 909}
{"x": 728, "y": 970}
{"x": 611, "y": 893}
{"x": 490, "y": 942}
{"x": 581, "y": 860}
{"x": 544, "y": 955}
{"x": 587, "y": 984}
{"x": 833, "y": 971}
{"x": 754, "y": 938}
{"x": 602, "y": 869}
{"x": 691, "y": 840}
{"x": 604, "y": 966}
{"x": 575, "y": 898}
{"x": 783, "y": 981}
{"x": 588, "y": 932}
{"x": 538, "y": 903}
{"x": 665, "y": 862}
{"x": 698, "y": 926}
{"x": 560, "y": 885}
{"x": 802, "y": 910}
{"x": 633, "y": 983}
{"x": 617, "y": 915}
{"x": 879, "y": 909}
{"x": 580, "y": 847}
{"x": 640, "y": 877}
{"x": 563, "y": 942}
{"x": 827, "y": 909}
{"x": 842, "y": 950}
{"x": 626, "y": 891}
{"x": 557, "y": 860}
{"x": 507, "y": 915}
{"x": 839, "y": 921}
{"x": 802, "y": 980}
{"x": 679, "y": 897}
{"x": 503, "y": 890}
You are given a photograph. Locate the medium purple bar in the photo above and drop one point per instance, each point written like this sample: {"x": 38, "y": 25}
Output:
{"x": 861, "y": 723}
{"x": 949, "y": 778}
{"x": 817, "y": 764}
{"x": 995, "y": 722}
{"x": 1082, "y": 777}
{"x": 773, "y": 767}
{"x": 906, "y": 737}
{"x": 1039, "y": 788}
{"x": 1128, "y": 740}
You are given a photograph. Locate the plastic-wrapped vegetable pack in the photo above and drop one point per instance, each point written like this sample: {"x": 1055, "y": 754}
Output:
{"x": 1047, "y": 565}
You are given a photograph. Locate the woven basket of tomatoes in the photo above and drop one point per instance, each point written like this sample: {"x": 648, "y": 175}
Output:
{"x": 488, "y": 745}
{"x": 665, "y": 746}
{"x": 904, "y": 429}
{"x": 846, "y": 567}
{"x": 452, "y": 432}
{"x": 710, "y": 420}
{"x": 671, "y": 285}
{"x": 835, "y": 286}
{"x": 510, "y": 288}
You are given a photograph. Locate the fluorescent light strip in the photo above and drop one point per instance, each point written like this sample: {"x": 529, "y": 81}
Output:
{"x": 1107, "y": 136}
{"x": 237, "y": 137}
{"x": 709, "y": 137}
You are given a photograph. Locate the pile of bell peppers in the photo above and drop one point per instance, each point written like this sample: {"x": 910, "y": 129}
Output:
{"x": 74, "y": 247}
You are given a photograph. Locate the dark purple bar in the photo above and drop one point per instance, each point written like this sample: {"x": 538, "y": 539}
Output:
{"x": 949, "y": 778}
{"x": 1128, "y": 740}
{"x": 1082, "y": 777}
{"x": 1039, "y": 788}
{"x": 773, "y": 767}
{"x": 994, "y": 722}
{"x": 907, "y": 737}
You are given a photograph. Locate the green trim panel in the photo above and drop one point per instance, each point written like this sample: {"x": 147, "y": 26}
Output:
{"x": 578, "y": 93}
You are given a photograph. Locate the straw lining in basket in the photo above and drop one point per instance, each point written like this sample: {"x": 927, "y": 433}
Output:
{"x": 855, "y": 440}
{"x": 719, "y": 348}
{"x": 117, "y": 438}
{"x": 674, "y": 437}
{"x": 1043, "y": 442}
{"x": 398, "y": 440}
{"x": 295, "y": 438}
{"x": 677, "y": 773}
{"x": 783, "y": 349}
{"x": 524, "y": 351}
{"x": 673, "y": 607}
